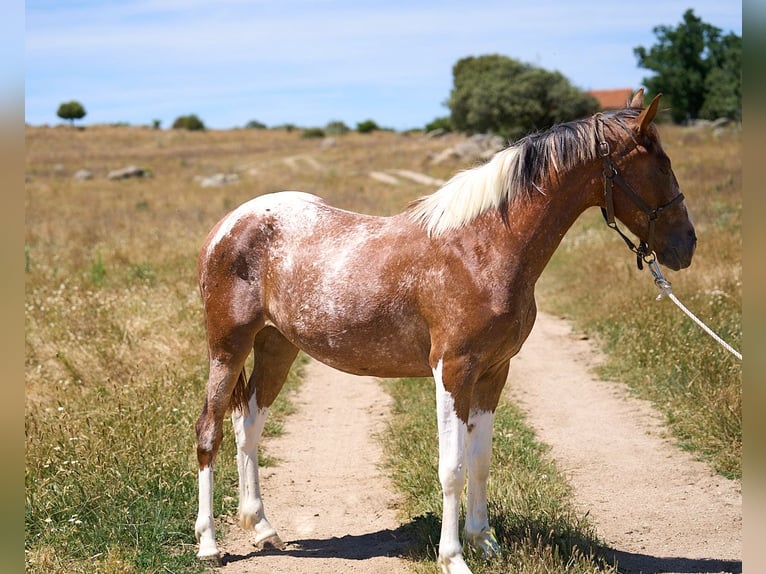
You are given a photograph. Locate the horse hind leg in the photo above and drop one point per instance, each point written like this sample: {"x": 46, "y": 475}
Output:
{"x": 273, "y": 356}
{"x": 227, "y": 358}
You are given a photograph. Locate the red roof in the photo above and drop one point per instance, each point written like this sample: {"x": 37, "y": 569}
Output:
{"x": 612, "y": 99}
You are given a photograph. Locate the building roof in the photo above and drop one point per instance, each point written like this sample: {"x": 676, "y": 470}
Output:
{"x": 612, "y": 99}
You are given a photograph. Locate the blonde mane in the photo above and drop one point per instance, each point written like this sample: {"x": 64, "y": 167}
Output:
{"x": 525, "y": 167}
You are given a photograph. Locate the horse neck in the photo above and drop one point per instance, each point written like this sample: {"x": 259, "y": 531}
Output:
{"x": 538, "y": 223}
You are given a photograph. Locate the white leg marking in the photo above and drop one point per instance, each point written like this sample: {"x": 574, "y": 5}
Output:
{"x": 452, "y": 438}
{"x": 204, "y": 527}
{"x": 247, "y": 431}
{"x": 477, "y": 531}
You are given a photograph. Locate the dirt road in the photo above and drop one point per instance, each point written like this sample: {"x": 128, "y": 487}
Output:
{"x": 658, "y": 507}
{"x": 660, "y": 510}
{"x": 328, "y": 499}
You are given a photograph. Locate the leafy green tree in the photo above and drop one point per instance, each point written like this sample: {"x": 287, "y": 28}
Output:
{"x": 189, "y": 122}
{"x": 693, "y": 62}
{"x": 71, "y": 111}
{"x": 723, "y": 84}
{"x": 494, "y": 93}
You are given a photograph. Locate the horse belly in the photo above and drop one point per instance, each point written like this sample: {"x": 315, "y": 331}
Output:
{"x": 377, "y": 348}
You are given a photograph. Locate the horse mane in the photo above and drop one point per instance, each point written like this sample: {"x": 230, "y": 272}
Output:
{"x": 524, "y": 167}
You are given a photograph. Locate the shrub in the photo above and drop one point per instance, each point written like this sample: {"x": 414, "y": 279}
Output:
{"x": 310, "y": 133}
{"x": 442, "y": 123}
{"x": 255, "y": 125}
{"x": 336, "y": 128}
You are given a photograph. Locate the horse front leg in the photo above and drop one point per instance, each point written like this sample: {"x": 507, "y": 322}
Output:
{"x": 452, "y": 443}
{"x": 478, "y": 533}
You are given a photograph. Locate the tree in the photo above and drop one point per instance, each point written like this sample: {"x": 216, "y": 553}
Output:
{"x": 723, "y": 84}
{"x": 189, "y": 122}
{"x": 692, "y": 63}
{"x": 71, "y": 111}
{"x": 494, "y": 93}
{"x": 367, "y": 127}
{"x": 255, "y": 125}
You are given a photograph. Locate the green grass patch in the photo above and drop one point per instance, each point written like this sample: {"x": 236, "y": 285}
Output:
{"x": 529, "y": 500}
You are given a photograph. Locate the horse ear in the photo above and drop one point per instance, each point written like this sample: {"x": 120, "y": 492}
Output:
{"x": 637, "y": 101}
{"x": 647, "y": 115}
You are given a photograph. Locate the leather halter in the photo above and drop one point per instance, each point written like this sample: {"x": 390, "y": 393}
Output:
{"x": 645, "y": 249}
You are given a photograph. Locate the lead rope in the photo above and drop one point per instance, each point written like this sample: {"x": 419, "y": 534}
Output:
{"x": 666, "y": 291}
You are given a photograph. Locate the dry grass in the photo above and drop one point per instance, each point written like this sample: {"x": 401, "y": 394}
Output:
{"x": 115, "y": 355}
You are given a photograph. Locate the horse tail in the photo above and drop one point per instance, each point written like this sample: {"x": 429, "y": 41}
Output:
{"x": 240, "y": 395}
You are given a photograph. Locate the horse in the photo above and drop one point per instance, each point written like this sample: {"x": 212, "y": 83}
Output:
{"x": 444, "y": 289}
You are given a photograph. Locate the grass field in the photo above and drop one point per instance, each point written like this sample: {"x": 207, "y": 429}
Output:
{"x": 115, "y": 355}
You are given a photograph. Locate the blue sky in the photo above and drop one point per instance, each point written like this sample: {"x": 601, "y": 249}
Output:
{"x": 309, "y": 62}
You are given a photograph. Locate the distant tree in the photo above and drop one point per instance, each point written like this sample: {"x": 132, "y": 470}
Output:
{"x": 698, "y": 70}
{"x": 156, "y": 124}
{"x": 189, "y": 122}
{"x": 71, "y": 111}
{"x": 494, "y": 93}
{"x": 255, "y": 125}
{"x": 336, "y": 128}
{"x": 367, "y": 127}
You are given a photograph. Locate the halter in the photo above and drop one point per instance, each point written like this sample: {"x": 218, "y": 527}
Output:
{"x": 645, "y": 249}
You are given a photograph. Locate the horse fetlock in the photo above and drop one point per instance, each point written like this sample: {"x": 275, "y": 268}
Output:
{"x": 251, "y": 515}
{"x": 483, "y": 543}
{"x": 205, "y": 535}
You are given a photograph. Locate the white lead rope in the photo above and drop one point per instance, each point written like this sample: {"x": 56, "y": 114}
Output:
{"x": 666, "y": 291}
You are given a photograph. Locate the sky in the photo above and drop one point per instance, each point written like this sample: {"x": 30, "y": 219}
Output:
{"x": 309, "y": 62}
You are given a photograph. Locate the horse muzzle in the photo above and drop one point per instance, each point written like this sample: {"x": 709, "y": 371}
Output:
{"x": 678, "y": 250}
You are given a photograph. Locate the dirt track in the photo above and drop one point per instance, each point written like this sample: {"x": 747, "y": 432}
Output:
{"x": 660, "y": 510}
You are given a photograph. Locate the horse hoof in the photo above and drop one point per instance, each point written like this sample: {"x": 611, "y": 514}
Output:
{"x": 211, "y": 559}
{"x": 273, "y": 542}
{"x": 484, "y": 543}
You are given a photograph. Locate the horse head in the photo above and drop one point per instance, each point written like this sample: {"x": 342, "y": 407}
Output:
{"x": 643, "y": 193}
